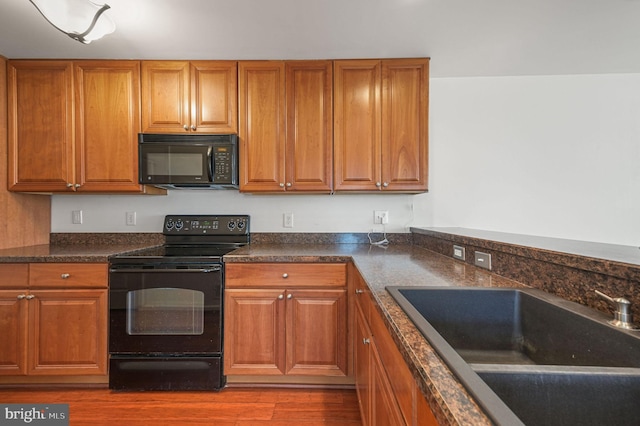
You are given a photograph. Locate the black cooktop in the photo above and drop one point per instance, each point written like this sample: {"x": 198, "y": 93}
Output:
{"x": 193, "y": 239}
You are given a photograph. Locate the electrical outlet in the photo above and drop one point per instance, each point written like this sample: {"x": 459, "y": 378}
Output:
{"x": 483, "y": 260}
{"x": 458, "y": 252}
{"x": 130, "y": 218}
{"x": 76, "y": 217}
{"x": 381, "y": 216}
{"x": 287, "y": 220}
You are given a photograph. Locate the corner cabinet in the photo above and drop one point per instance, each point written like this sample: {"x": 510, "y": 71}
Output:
{"x": 381, "y": 125}
{"x": 286, "y": 126}
{"x": 54, "y": 323}
{"x": 196, "y": 96}
{"x": 286, "y": 319}
{"x": 387, "y": 392}
{"x": 47, "y": 152}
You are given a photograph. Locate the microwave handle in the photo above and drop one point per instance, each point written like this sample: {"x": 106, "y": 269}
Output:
{"x": 210, "y": 164}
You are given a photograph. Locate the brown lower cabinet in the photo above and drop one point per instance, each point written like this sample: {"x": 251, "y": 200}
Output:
{"x": 286, "y": 319}
{"x": 387, "y": 392}
{"x": 53, "y": 319}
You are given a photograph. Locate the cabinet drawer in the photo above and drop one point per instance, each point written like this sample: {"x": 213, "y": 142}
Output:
{"x": 68, "y": 275}
{"x": 14, "y": 275}
{"x": 285, "y": 274}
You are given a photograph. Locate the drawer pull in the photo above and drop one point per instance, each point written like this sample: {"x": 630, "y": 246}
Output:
{"x": 359, "y": 291}
{"x": 285, "y": 275}
{"x": 65, "y": 276}
{"x": 366, "y": 341}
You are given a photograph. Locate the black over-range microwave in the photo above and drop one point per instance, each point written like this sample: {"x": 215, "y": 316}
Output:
{"x": 188, "y": 161}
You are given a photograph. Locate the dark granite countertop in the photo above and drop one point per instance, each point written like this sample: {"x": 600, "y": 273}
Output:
{"x": 405, "y": 265}
{"x": 98, "y": 253}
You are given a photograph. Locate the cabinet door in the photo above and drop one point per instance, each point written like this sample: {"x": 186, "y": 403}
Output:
{"x": 309, "y": 140}
{"x": 254, "y": 332}
{"x": 262, "y": 126}
{"x": 214, "y": 97}
{"x": 317, "y": 332}
{"x": 362, "y": 345}
{"x": 165, "y": 97}
{"x": 13, "y": 329}
{"x": 384, "y": 409}
{"x": 40, "y": 126}
{"x": 357, "y": 125}
{"x": 107, "y": 125}
{"x": 68, "y": 332}
{"x": 405, "y": 103}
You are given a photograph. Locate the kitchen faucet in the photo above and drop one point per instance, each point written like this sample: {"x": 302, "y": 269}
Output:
{"x": 622, "y": 318}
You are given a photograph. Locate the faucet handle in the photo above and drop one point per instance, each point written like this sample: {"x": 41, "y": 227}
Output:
{"x": 622, "y": 317}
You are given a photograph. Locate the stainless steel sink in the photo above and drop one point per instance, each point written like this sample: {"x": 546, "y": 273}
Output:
{"x": 513, "y": 348}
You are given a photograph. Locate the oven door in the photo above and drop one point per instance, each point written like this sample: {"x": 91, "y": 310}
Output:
{"x": 171, "y": 309}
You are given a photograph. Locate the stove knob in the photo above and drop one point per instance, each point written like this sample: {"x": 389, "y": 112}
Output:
{"x": 240, "y": 225}
{"x": 169, "y": 225}
{"x": 179, "y": 225}
{"x": 231, "y": 226}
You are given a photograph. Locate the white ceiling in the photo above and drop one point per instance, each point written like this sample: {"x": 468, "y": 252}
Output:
{"x": 462, "y": 37}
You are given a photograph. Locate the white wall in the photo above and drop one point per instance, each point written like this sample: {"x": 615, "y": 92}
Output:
{"x": 553, "y": 156}
{"x": 312, "y": 213}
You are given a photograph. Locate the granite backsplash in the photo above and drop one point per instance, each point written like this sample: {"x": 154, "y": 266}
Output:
{"x": 562, "y": 267}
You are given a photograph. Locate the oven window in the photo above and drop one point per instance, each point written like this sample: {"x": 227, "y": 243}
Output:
{"x": 158, "y": 311}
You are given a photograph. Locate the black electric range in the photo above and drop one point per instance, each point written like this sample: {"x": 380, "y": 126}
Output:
{"x": 166, "y": 306}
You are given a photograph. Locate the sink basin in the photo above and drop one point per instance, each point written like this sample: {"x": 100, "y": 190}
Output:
{"x": 529, "y": 357}
{"x": 568, "y": 396}
{"x": 518, "y": 326}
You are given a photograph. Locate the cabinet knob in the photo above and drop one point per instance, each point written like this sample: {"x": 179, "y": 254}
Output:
{"x": 285, "y": 275}
{"x": 385, "y": 184}
{"x": 378, "y": 184}
{"x": 281, "y": 297}
{"x": 65, "y": 276}
{"x": 29, "y": 296}
{"x": 359, "y": 291}
{"x": 193, "y": 127}
{"x": 185, "y": 127}
{"x": 69, "y": 185}
{"x": 288, "y": 184}
{"x": 21, "y": 296}
{"x": 366, "y": 341}
{"x": 289, "y": 296}
{"x": 281, "y": 185}
{"x": 77, "y": 185}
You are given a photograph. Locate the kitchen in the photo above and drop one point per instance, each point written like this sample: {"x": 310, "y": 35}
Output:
{"x": 533, "y": 137}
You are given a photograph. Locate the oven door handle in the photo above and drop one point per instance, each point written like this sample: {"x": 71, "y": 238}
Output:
{"x": 142, "y": 270}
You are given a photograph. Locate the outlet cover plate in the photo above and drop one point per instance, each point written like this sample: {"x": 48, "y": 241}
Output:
{"x": 458, "y": 252}
{"x": 483, "y": 260}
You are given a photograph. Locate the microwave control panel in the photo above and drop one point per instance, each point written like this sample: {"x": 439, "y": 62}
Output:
{"x": 222, "y": 164}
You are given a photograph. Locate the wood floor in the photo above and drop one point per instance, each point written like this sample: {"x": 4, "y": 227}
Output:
{"x": 229, "y": 407}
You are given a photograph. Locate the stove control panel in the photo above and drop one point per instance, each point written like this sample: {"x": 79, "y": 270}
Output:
{"x": 206, "y": 225}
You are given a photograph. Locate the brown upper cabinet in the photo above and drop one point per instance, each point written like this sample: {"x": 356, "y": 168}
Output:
{"x": 286, "y": 126}
{"x": 196, "y": 96}
{"x": 47, "y": 153}
{"x": 381, "y": 125}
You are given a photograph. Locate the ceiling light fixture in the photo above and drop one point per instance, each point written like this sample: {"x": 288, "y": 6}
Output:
{"x": 79, "y": 19}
